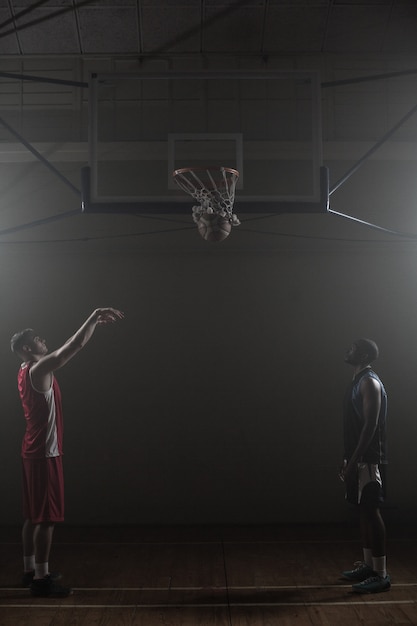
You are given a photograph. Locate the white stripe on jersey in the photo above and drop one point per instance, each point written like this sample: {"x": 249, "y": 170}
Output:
{"x": 51, "y": 443}
{"x": 51, "y": 439}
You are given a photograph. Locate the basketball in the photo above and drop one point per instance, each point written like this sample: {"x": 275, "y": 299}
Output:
{"x": 214, "y": 228}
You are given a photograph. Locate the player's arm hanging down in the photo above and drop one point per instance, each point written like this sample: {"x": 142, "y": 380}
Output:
{"x": 371, "y": 394}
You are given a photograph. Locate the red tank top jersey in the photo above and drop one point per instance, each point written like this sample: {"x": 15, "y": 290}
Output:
{"x": 43, "y": 415}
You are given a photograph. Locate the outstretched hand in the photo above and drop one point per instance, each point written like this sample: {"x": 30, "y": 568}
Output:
{"x": 108, "y": 315}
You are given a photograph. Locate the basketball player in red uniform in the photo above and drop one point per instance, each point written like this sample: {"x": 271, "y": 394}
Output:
{"x": 43, "y": 482}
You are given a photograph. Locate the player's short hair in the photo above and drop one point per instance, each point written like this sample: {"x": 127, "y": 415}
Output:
{"x": 20, "y": 339}
{"x": 368, "y": 347}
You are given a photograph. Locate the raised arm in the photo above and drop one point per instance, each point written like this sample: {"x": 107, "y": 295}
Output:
{"x": 42, "y": 370}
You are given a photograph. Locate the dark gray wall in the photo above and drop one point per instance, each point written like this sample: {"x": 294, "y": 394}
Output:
{"x": 218, "y": 398}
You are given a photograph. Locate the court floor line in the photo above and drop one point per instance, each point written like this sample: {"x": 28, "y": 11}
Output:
{"x": 202, "y": 543}
{"x": 208, "y": 605}
{"x": 216, "y": 588}
{"x": 210, "y": 542}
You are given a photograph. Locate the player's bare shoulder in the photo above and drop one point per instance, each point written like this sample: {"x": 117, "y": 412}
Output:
{"x": 41, "y": 375}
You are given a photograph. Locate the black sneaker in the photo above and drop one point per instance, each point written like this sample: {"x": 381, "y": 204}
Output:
{"x": 27, "y": 577}
{"x": 361, "y": 572}
{"x": 46, "y": 587}
{"x": 373, "y": 584}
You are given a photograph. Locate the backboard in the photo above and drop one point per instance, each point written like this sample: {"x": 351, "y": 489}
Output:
{"x": 143, "y": 126}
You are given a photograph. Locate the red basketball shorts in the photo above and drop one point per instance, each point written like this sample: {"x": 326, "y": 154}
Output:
{"x": 43, "y": 490}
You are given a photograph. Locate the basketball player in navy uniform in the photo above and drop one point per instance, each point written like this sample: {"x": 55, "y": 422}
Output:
{"x": 43, "y": 480}
{"x": 364, "y": 422}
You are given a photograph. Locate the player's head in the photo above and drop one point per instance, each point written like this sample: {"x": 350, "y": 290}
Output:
{"x": 362, "y": 352}
{"x": 27, "y": 343}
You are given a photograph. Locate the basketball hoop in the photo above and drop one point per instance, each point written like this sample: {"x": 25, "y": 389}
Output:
{"x": 214, "y": 190}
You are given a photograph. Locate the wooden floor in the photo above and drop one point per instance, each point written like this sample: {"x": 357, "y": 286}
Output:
{"x": 223, "y": 576}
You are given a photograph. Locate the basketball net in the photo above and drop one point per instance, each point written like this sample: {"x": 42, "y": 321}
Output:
{"x": 214, "y": 190}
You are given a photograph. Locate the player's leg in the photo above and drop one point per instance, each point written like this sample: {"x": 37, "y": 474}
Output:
{"x": 47, "y": 509}
{"x": 362, "y": 569}
{"x": 27, "y": 530}
{"x": 28, "y": 553}
{"x": 42, "y": 539}
{"x": 371, "y": 519}
{"x": 377, "y": 532}
{"x": 374, "y": 534}
{"x": 27, "y": 538}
